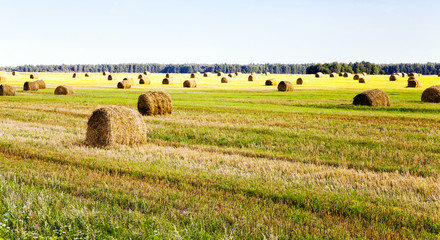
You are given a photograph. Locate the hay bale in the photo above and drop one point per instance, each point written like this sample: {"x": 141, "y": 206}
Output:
{"x": 219, "y": 74}
{"x": 346, "y": 74}
{"x": 364, "y": 73}
{"x": 7, "y": 90}
{"x": 267, "y": 73}
{"x": 271, "y": 82}
{"x": 237, "y": 73}
{"x": 319, "y": 75}
{"x": 64, "y": 90}
{"x": 124, "y": 84}
{"x": 334, "y": 75}
{"x": 194, "y": 75}
{"x": 30, "y": 86}
{"x": 15, "y": 73}
{"x": 413, "y": 74}
{"x": 231, "y": 75}
{"x": 341, "y": 74}
{"x": 140, "y": 76}
{"x": 414, "y": 83}
{"x": 110, "y": 77}
{"x": 41, "y": 84}
{"x": 167, "y": 81}
{"x": 404, "y": 74}
{"x": 190, "y": 84}
{"x": 300, "y": 81}
{"x": 394, "y": 77}
{"x": 130, "y": 80}
{"x": 431, "y": 94}
{"x": 225, "y": 80}
{"x": 375, "y": 97}
{"x": 155, "y": 103}
{"x": 252, "y": 78}
{"x": 75, "y": 75}
{"x": 146, "y": 73}
{"x": 285, "y": 86}
{"x": 3, "y": 79}
{"x": 87, "y": 75}
{"x": 357, "y": 76}
{"x": 438, "y": 75}
{"x": 168, "y": 75}
{"x": 33, "y": 76}
{"x": 114, "y": 125}
{"x": 363, "y": 79}
{"x": 104, "y": 73}
{"x": 207, "y": 74}
{"x": 144, "y": 80}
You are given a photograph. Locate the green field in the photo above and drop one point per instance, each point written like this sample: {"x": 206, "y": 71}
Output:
{"x": 233, "y": 161}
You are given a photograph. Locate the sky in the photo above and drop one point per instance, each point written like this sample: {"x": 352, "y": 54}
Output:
{"x": 227, "y": 31}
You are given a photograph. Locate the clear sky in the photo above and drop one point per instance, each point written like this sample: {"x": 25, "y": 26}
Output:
{"x": 227, "y": 31}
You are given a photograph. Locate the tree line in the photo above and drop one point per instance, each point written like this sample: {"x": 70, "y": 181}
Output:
{"x": 356, "y": 67}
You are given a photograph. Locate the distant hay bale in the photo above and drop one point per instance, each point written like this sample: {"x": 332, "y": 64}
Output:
{"x": 357, "y": 76}
{"x": 87, "y": 75}
{"x": 110, "y": 77}
{"x": 33, "y": 76}
{"x": 198, "y": 73}
{"x": 364, "y": 73}
{"x": 300, "y": 81}
{"x": 145, "y": 81}
{"x": 394, "y": 77}
{"x": 341, "y": 74}
{"x": 167, "y": 81}
{"x": 130, "y": 80}
{"x": 414, "y": 83}
{"x": 155, "y": 103}
{"x": 363, "y": 79}
{"x": 334, "y": 75}
{"x": 64, "y": 90}
{"x": 271, "y": 82}
{"x": 413, "y": 74}
{"x": 75, "y": 75}
{"x": 189, "y": 84}
{"x": 7, "y": 90}
{"x": 140, "y": 76}
{"x": 237, "y": 73}
{"x": 404, "y": 74}
{"x": 431, "y": 94}
{"x": 104, "y": 73}
{"x": 346, "y": 74}
{"x": 375, "y": 97}
{"x": 285, "y": 86}
{"x": 267, "y": 73}
{"x": 194, "y": 75}
{"x": 41, "y": 84}
{"x": 30, "y": 86}
{"x": 124, "y": 84}
{"x": 3, "y": 79}
{"x": 168, "y": 75}
{"x": 225, "y": 80}
{"x": 438, "y": 75}
{"x": 231, "y": 75}
{"x": 15, "y": 73}
{"x": 319, "y": 75}
{"x": 219, "y": 74}
{"x": 252, "y": 78}
{"x": 109, "y": 126}
{"x": 207, "y": 74}
{"x": 146, "y": 73}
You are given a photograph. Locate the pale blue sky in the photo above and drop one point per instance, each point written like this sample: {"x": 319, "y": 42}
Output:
{"x": 239, "y": 31}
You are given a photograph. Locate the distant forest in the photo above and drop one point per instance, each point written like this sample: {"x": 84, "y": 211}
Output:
{"x": 357, "y": 67}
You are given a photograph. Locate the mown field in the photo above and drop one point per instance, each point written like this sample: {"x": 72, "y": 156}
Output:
{"x": 233, "y": 161}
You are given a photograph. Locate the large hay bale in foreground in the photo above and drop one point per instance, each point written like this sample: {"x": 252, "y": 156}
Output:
{"x": 113, "y": 125}
{"x": 110, "y": 77}
{"x": 41, "y": 84}
{"x": 346, "y": 74}
{"x": 431, "y": 94}
{"x": 375, "y": 97}
{"x": 285, "y": 86}
{"x": 15, "y": 73}
{"x": 167, "y": 81}
{"x": 130, "y": 80}
{"x": 194, "y": 75}
{"x": 30, "y": 86}
{"x": 3, "y": 79}
{"x": 252, "y": 78}
{"x": 144, "y": 80}
{"x": 271, "y": 82}
{"x": 357, "y": 76}
{"x": 300, "y": 81}
{"x": 334, "y": 75}
{"x": 219, "y": 74}
{"x": 6, "y": 90}
{"x": 363, "y": 79}
{"x": 414, "y": 83}
{"x": 394, "y": 77}
{"x": 124, "y": 84}
{"x": 64, "y": 90}
{"x": 319, "y": 75}
{"x": 190, "y": 83}
{"x": 207, "y": 74}
{"x": 225, "y": 80}
{"x": 33, "y": 76}
{"x": 155, "y": 103}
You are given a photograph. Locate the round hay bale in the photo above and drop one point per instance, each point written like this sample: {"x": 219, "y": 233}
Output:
{"x": 237, "y": 73}
{"x": 267, "y": 73}
{"x": 110, "y": 77}
{"x": 375, "y": 97}
{"x": 33, "y": 76}
{"x": 438, "y": 75}
{"x": 30, "y": 86}
{"x": 346, "y": 74}
{"x": 363, "y": 79}
{"x": 252, "y": 78}
{"x": 167, "y": 81}
{"x": 341, "y": 74}
{"x": 87, "y": 75}
{"x": 300, "y": 81}
{"x": 113, "y": 125}
{"x": 271, "y": 82}
{"x": 225, "y": 80}
{"x": 219, "y": 74}
{"x": 319, "y": 75}
{"x": 130, "y": 80}
{"x": 194, "y": 75}
{"x": 7, "y": 90}
{"x": 431, "y": 94}
{"x": 414, "y": 83}
{"x": 285, "y": 86}
{"x": 64, "y": 90}
{"x": 198, "y": 73}
{"x": 124, "y": 84}
{"x": 168, "y": 75}
{"x": 394, "y": 77}
{"x": 404, "y": 74}
{"x": 364, "y": 73}
{"x": 15, "y": 73}
{"x": 146, "y": 73}
{"x": 41, "y": 84}
{"x": 75, "y": 75}
{"x": 334, "y": 75}
{"x": 413, "y": 74}
{"x": 357, "y": 76}
{"x": 231, "y": 75}
{"x": 189, "y": 84}
{"x": 104, "y": 73}
{"x": 3, "y": 79}
{"x": 155, "y": 103}
{"x": 207, "y": 74}
{"x": 145, "y": 80}
{"x": 140, "y": 76}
